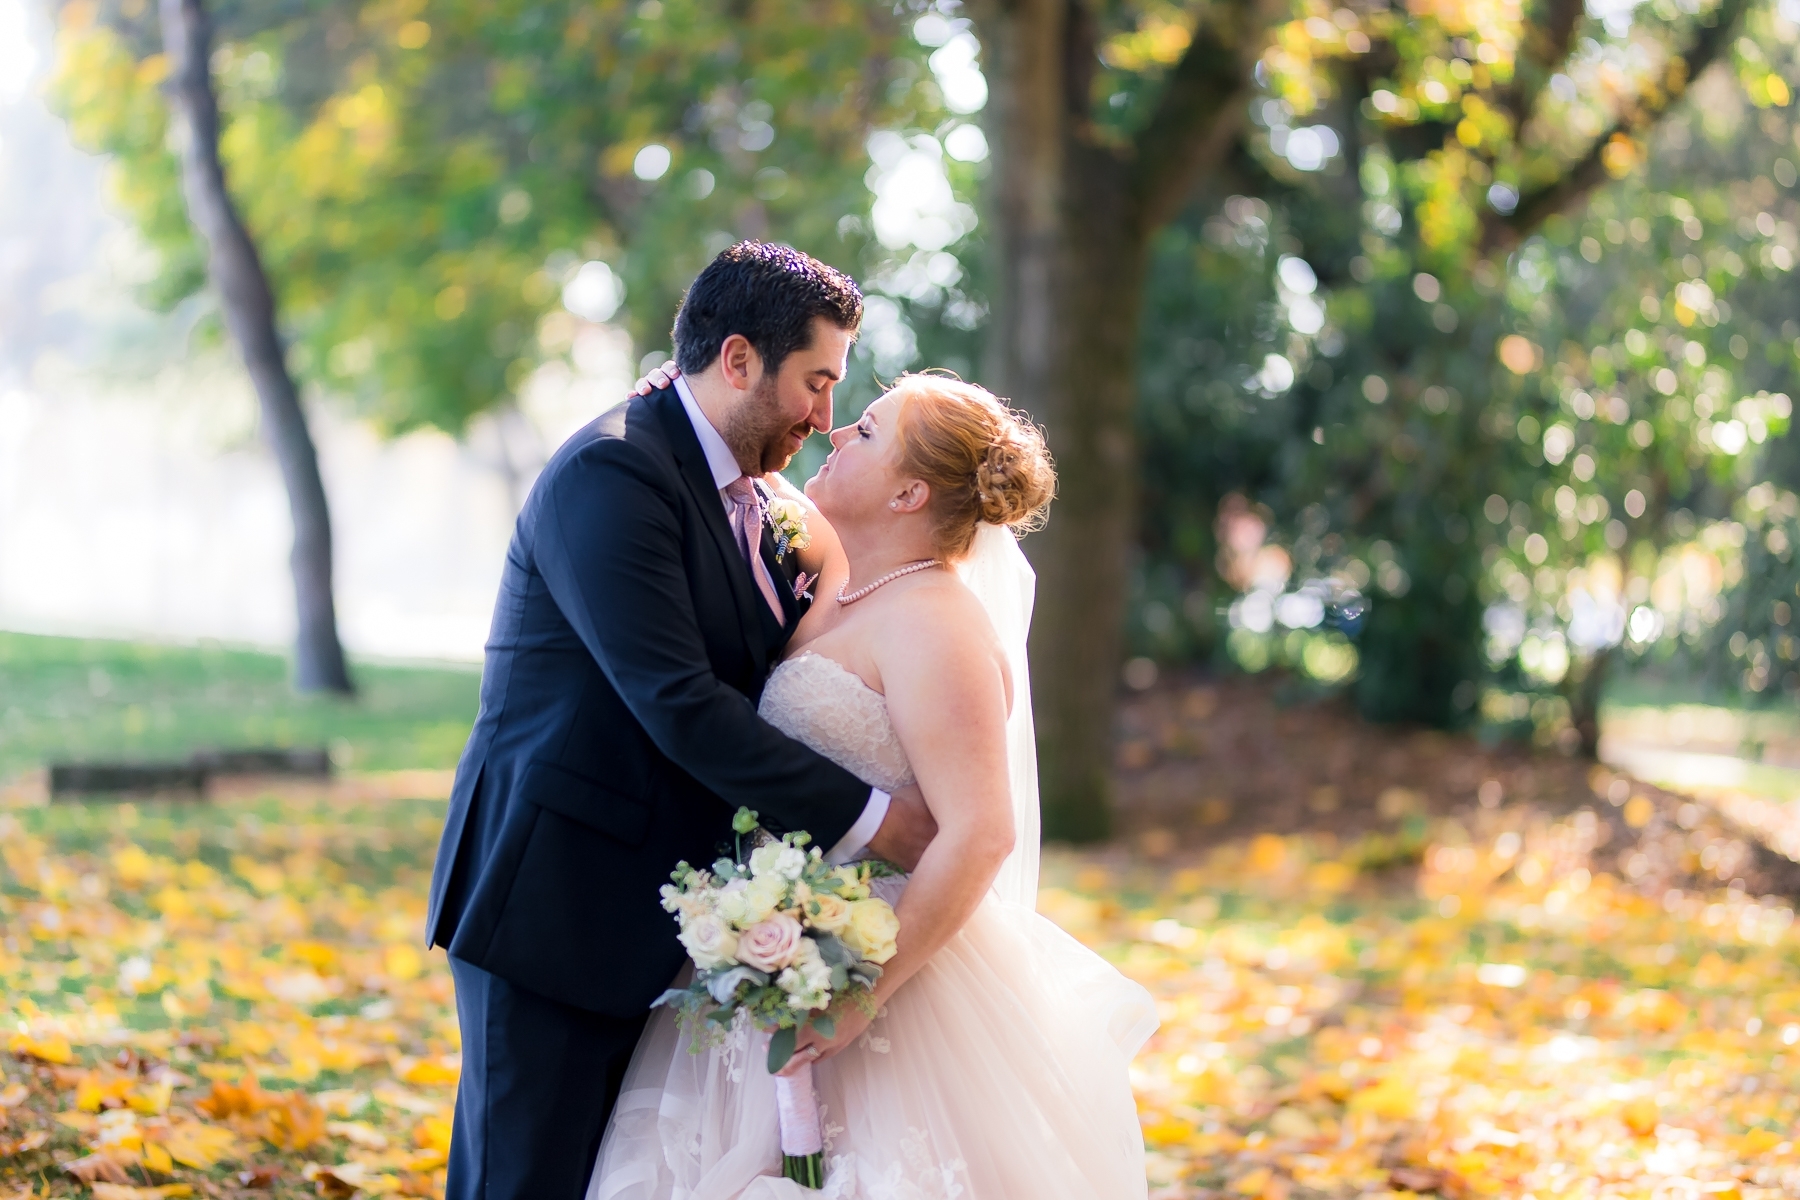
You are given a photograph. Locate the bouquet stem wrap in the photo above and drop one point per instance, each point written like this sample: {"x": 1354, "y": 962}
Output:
{"x": 801, "y": 1143}
{"x": 799, "y": 1112}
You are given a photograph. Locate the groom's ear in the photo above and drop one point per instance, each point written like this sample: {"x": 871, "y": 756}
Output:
{"x": 739, "y": 362}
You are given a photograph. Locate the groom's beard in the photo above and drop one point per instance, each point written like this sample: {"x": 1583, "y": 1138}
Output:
{"x": 761, "y": 437}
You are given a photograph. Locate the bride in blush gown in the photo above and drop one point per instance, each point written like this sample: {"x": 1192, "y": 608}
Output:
{"x": 996, "y": 1064}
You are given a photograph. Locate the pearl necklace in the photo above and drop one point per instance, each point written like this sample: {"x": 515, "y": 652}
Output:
{"x": 908, "y": 569}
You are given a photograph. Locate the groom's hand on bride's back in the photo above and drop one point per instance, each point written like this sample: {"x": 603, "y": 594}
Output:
{"x": 655, "y": 379}
{"x": 907, "y": 829}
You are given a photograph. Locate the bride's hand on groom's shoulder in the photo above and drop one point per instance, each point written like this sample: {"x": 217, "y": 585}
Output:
{"x": 850, "y": 1023}
{"x": 657, "y": 378}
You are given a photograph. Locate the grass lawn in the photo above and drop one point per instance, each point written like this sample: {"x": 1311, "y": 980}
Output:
{"x": 1575, "y": 992}
{"x": 90, "y": 698}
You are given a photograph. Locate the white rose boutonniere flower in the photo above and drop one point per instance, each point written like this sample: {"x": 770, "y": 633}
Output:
{"x": 788, "y": 520}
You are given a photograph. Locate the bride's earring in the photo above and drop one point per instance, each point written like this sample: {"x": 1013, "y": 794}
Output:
{"x": 893, "y": 504}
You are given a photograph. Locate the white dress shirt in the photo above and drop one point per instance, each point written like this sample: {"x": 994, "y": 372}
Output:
{"x": 725, "y": 472}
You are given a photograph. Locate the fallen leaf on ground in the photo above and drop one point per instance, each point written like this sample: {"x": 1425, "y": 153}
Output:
{"x": 97, "y": 1168}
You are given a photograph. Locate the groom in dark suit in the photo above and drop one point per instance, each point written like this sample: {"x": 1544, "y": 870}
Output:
{"x": 641, "y": 607}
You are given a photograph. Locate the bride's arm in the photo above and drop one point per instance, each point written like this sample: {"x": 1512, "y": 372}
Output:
{"x": 944, "y": 676}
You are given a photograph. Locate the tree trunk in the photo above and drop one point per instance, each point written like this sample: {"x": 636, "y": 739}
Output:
{"x": 1083, "y": 556}
{"x": 1584, "y": 702}
{"x": 249, "y": 306}
{"x": 1072, "y": 212}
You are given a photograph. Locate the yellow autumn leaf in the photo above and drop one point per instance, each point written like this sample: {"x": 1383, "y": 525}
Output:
{"x": 1167, "y": 1132}
{"x": 359, "y": 1133}
{"x": 1255, "y": 1183}
{"x": 198, "y": 1145}
{"x": 426, "y": 1072}
{"x": 433, "y": 1133}
{"x": 1758, "y": 1142}
{"x": 403, "y": 961}
{"x": 293, "y": 1123}
{"x": 352, "y": 1176}
{"x": 158, "y": 1159}
{"x": 1393, "y": 1098}
{"x": 151, "y": 1099}
{"x": 54, "y": 1049}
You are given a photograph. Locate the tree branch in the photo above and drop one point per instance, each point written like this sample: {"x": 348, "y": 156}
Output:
{"x": 1534, "y": 208}
{"x": 1547, "y": 44}
{"x": 1198, "y": 117}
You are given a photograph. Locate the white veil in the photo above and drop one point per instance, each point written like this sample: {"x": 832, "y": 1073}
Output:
{"x": 996, "y": 571}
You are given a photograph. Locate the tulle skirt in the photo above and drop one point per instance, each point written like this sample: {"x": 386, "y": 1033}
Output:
{"x": 999, "y": 1071}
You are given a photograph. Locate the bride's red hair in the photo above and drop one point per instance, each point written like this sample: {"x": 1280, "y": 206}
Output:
{"x": 985, "y": 463}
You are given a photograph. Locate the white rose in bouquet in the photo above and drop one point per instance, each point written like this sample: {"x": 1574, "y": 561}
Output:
{"x": 763, "y": 897}
{"x": 808, "y": 982}
{"x": 710, "y": 942}
{"x": 732, "y": 904}
{"x": 778, "y": 859}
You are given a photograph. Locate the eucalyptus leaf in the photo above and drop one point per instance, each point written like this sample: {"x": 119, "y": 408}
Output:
{"x": 723, "y": 985}
{"x": 781, "y": 1048}
{"x": 833, "y": 950}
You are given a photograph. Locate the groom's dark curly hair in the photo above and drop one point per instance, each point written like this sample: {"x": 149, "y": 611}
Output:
{"x": 769, "y": 294}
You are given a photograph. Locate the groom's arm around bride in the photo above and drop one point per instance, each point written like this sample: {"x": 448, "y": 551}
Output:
{"x": 637, "y": 620}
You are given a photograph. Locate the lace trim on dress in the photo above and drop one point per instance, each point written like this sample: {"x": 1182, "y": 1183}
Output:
{"x": 821, "y": 702}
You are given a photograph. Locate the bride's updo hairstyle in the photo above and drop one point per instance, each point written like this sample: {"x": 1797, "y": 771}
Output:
{"x": 985, "y": 463}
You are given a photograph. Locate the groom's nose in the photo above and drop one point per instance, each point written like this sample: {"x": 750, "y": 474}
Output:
{"x": 820, "y": 417}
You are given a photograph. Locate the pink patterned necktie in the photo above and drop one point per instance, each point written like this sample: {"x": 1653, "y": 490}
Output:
{"x": 746, "y": 525}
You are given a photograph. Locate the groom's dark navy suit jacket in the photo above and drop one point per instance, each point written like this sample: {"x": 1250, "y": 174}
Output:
{"x": 618, "y": 731}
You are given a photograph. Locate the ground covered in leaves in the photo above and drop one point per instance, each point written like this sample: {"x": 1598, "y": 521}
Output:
{"x": 1502, "y": 1020}
{"x": 220, "y": 1000}
{"x": 230, "y": 1000}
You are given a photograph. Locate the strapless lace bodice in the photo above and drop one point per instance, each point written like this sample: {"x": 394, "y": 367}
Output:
{"x": 815, "y": 700}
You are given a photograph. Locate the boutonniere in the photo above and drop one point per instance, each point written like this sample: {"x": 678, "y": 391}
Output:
{"x": 787, "y": 518}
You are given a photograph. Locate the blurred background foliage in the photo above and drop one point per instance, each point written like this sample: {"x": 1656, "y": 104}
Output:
{"x": 1467, "y": 475}
{"x": 443, "y": 191}
{"x": 1463, "y": 389}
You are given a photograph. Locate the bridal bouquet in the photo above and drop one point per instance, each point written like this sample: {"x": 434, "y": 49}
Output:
{"x": 779, "y": 934}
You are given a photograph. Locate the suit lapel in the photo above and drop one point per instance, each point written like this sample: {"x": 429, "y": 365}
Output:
{"x": 698, "y": 476}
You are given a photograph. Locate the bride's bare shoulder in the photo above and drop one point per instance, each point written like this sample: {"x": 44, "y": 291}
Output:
{"x": 940, "y": 622}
